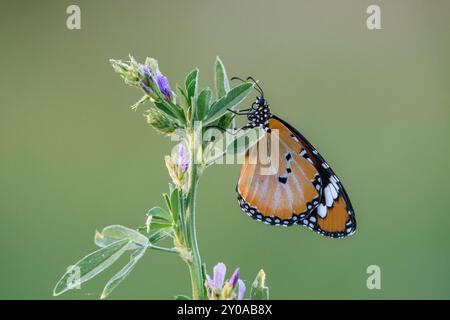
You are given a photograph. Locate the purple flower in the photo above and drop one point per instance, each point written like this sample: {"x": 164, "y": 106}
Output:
{"x": 164, "y": 86}
{"x": 183, "y": 159}
{"x": 241, "y": 290}
{"x": 234, "y": 278}
{"x": 148, "y": 74}
{"x": 219, "y": 276}
{"x": 218, "y": 288}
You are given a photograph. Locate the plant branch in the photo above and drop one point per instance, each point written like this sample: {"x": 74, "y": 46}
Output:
{"x": 172, "y": 250}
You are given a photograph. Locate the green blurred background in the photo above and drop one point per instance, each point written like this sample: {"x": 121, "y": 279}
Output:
{"x": 75, "y": 158}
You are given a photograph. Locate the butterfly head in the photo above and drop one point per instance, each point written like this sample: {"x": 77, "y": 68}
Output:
{"x": 260, "y": 114}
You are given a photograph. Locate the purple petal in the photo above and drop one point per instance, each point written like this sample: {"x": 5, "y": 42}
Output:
{"x": 183, "y": 159}
{"x": 210, "y": 281}
{"x": 148, "y": 74}
{"x": 163, "y": 84}
{"x": 234, "y": 278}
{"x": 241, "y": 289}
{"x": 219, "y": 275}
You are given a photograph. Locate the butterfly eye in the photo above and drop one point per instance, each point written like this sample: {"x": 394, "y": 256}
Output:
{"x": 261, "y": 101}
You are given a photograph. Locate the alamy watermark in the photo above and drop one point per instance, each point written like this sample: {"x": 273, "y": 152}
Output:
{"x": 373, "y": 21}
{"x": 73, "y": 21}
{"x": 374, "y": 278}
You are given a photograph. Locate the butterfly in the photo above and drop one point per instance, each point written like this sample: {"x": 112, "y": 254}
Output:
{"x": 302, "y": 190}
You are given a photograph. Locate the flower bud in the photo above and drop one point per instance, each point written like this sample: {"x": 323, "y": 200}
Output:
{"x": 126, "y": 71}
{"x": 159, "y": 121}
{"x": 147, "y": 74}
{"x": 164, "y": 86}
{"x": 172, "y": 171}
{"x": 183, "y": 158}
{"x": 259, "y": 289}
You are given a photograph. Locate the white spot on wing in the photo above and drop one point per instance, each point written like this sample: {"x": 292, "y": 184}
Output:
{"x": 322, "y": 211}
{"x": 328, "y": 196}
{"x": 335, "y": 185}
{"x": 333, "y": 191}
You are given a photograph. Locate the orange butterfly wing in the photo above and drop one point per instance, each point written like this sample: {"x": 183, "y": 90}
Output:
{"x": 301, "y": 187}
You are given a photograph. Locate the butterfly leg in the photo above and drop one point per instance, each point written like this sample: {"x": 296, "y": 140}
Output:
{"x": 239, "y": 112}
{"x": 236, "y": 131}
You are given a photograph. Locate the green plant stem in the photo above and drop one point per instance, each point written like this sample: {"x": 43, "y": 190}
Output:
{"x": 172, "y": 250}
{"x": 195, "y": 263}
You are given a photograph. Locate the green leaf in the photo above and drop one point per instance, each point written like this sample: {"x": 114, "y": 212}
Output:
{"x": 169, "y": 207}
{"x": 184, "y": 96}
{"x": 163, "y": 107}
{"x": 91, "y": 265}
{"x": 160, "y": 214}
{"x": 191, "y": 84}
{"x": 161, "y": 219}
{"x": 231, "y": 99}
{"x": 181, "y": 297}
{"x": 203, "y": 103}
{"x": 192, "y": 87}
{"x": 158, "y": 235}
{"x": 221, "y": 79}
{"x": 156, "y": 226}
{"x": 123, "y": 273}
{"x": 259, "y": 291}
{"x": 167, "y": 201}
{"x": 113, "y": 233}
{"x": 174, "y": 202}
{"x": 178, "y": 110}
{"x": 171, "y": 109}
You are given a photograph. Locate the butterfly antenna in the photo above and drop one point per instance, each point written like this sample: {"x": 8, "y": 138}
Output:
{"x": 256, "y": 84}
{"x": 237, "y": 78}
{"x": 258, "y": 88}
